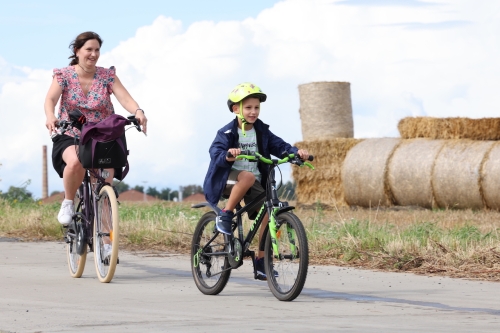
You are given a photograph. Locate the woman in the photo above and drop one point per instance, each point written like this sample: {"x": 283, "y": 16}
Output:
{"x": 85, "y": 87}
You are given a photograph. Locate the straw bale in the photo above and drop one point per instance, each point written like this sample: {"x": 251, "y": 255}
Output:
{"x": 364, "y": 173}
{"x": 490, "y": 183}
{"x": 450, "y": 128}
{"x": 326, "y": 110}
{"x": 324, "y": 183}
{"x": 410, "y": 172}
{"x": 457, "y": 174}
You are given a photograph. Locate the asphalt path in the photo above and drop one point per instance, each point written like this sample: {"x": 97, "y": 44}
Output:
{"x": 152, "y": 293}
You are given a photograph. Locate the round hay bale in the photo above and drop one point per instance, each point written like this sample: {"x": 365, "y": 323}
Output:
{"x": 364, "y": 173}
{"x": 490, "y": 183}
{"x": 326, "y": 110}
{"x": 410, "y": 172}
{"x": 323, "y": 185}
{"x": 457, "y": 174}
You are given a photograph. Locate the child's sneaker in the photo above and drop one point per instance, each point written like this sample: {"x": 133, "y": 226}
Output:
{"x": 66, "y": 212}
{"x": 259, "y": 267}
{"x": 223, "y": 221}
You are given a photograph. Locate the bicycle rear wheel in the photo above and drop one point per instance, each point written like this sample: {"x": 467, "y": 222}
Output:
{"x": 209, "y": 269}
{"x": 106, "y": 234}
{"x": 292, "y": 261}
{"x": 77, "y": 243}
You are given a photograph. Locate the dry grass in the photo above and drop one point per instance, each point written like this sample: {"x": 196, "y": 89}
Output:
{"x": 456, "y": 243}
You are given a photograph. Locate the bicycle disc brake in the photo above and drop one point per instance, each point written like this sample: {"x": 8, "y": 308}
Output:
{"x": 235, "y": 255}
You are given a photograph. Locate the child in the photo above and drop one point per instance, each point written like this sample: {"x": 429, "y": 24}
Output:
{"x": 237, "y": 178}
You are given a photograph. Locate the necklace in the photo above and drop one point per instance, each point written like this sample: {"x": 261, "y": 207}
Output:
{"x": 87, "y": 85}
{"x": 84, "y": 69}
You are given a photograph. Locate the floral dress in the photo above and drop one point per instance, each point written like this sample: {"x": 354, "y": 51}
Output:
{"x": 96, "y": 105}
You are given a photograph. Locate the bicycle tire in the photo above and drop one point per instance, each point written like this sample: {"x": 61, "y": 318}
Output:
{"x": 292, "y": 263}
{"x": 201, "y": 264}
{"x": 76, "y": 262}
{"x": 106, "y": 232}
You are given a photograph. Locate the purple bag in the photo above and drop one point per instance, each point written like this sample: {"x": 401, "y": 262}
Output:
{"x": 103, "y": 145}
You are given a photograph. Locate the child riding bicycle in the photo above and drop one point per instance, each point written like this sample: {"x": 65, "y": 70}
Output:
{"x": 238, "y": 179}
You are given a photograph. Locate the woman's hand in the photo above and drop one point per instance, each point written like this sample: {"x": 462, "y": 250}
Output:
{"x": 143, "y": 121}
{"x": 51, "y": 123}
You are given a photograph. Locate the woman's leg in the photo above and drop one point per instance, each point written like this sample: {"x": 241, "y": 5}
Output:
{"x": 72, "y": 178}
{"x": 73, "y": 172}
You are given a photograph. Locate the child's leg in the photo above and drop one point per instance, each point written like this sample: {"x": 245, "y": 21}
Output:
{"x": 245, "y": 182}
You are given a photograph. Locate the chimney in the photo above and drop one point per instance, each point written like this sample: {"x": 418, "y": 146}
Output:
{"x": 45, "y": 186}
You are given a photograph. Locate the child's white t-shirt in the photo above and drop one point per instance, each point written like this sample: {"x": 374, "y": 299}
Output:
{"x": 248, "y": 142}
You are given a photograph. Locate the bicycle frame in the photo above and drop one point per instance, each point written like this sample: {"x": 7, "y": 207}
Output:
{"x": 89, "y": 198}
{"x": 272, "y": 205}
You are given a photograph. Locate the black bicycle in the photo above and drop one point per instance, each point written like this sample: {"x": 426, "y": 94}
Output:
{"x": 214, "y": 255}
{"x": 95, "y": 222}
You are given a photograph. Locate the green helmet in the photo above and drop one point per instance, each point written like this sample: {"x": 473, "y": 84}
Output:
{"x": 242, "y": 91}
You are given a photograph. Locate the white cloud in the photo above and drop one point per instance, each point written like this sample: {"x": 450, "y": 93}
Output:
{"x": 436, "y": 60}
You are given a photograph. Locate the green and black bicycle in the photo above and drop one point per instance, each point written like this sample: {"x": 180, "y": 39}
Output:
{"x": 214, "y": 255}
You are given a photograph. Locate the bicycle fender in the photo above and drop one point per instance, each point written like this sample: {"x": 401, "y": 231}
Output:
{"x": 284, "y": 210}
{"x": 206, "y": 204}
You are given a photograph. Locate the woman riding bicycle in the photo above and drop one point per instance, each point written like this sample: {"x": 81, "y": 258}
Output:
{"x": 241, "y": 179}
{"x": 87, "y": 88}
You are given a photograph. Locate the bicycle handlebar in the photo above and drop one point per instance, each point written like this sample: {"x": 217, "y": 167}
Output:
{"x": 291, "y": 158}
{"x": 134, "y": 121}
{"x": 65, "y": 125}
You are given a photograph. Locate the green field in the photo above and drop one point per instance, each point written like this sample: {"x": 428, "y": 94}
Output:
{"x": 458, "y": 243}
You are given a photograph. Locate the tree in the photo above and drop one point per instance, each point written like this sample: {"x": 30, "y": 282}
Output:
{"x": 287, "y": 191}
{"x": 166, "y": 194}
{"x": 190, "y": 190}
{"x": 174, "y": 194}
{"x": 19, "y": 194}
{"x": 152, "y": 191}
{"x": 120, "y": 186}
{"x": 139, "y": 188}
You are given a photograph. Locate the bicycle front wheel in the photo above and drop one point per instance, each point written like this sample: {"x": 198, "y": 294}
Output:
{"x": 287, "y": 271}
{"x": 209, "y": 264}
{"x": 106, "y": 234}
{"x": 76, "y": 248}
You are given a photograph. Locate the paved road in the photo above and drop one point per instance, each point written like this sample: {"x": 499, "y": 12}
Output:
{"x": 157, "y": 294}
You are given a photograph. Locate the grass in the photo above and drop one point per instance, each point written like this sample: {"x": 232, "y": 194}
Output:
{"x": 455, "y": 243}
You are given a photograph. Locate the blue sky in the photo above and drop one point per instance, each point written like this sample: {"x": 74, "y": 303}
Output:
{"x": 34, "y": 32}
{"x": 180, "y": 59}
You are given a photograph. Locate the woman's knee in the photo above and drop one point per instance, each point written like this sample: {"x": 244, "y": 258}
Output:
{"x": 74, "y": 165}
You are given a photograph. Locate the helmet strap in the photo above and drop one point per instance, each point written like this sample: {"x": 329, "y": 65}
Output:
{"x": 243, "y": 121}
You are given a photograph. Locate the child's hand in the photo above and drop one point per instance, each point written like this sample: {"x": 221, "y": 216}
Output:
{"x": 235, "y": 152}
{"x": 304, "y": 154}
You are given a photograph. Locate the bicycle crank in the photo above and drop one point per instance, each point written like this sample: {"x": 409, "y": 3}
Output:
{"x": 235, "y": 253}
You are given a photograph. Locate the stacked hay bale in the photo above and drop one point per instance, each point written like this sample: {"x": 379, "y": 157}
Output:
{"x": 439, "y": 163}
{"x": 410, "y": 172}
{"x": 327, "y": 130}
{"x": 323, "y": 185}
{"x": 364, "y": 173}
{"x": 449, "y": 128}
{"x": 326, "y": 110}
